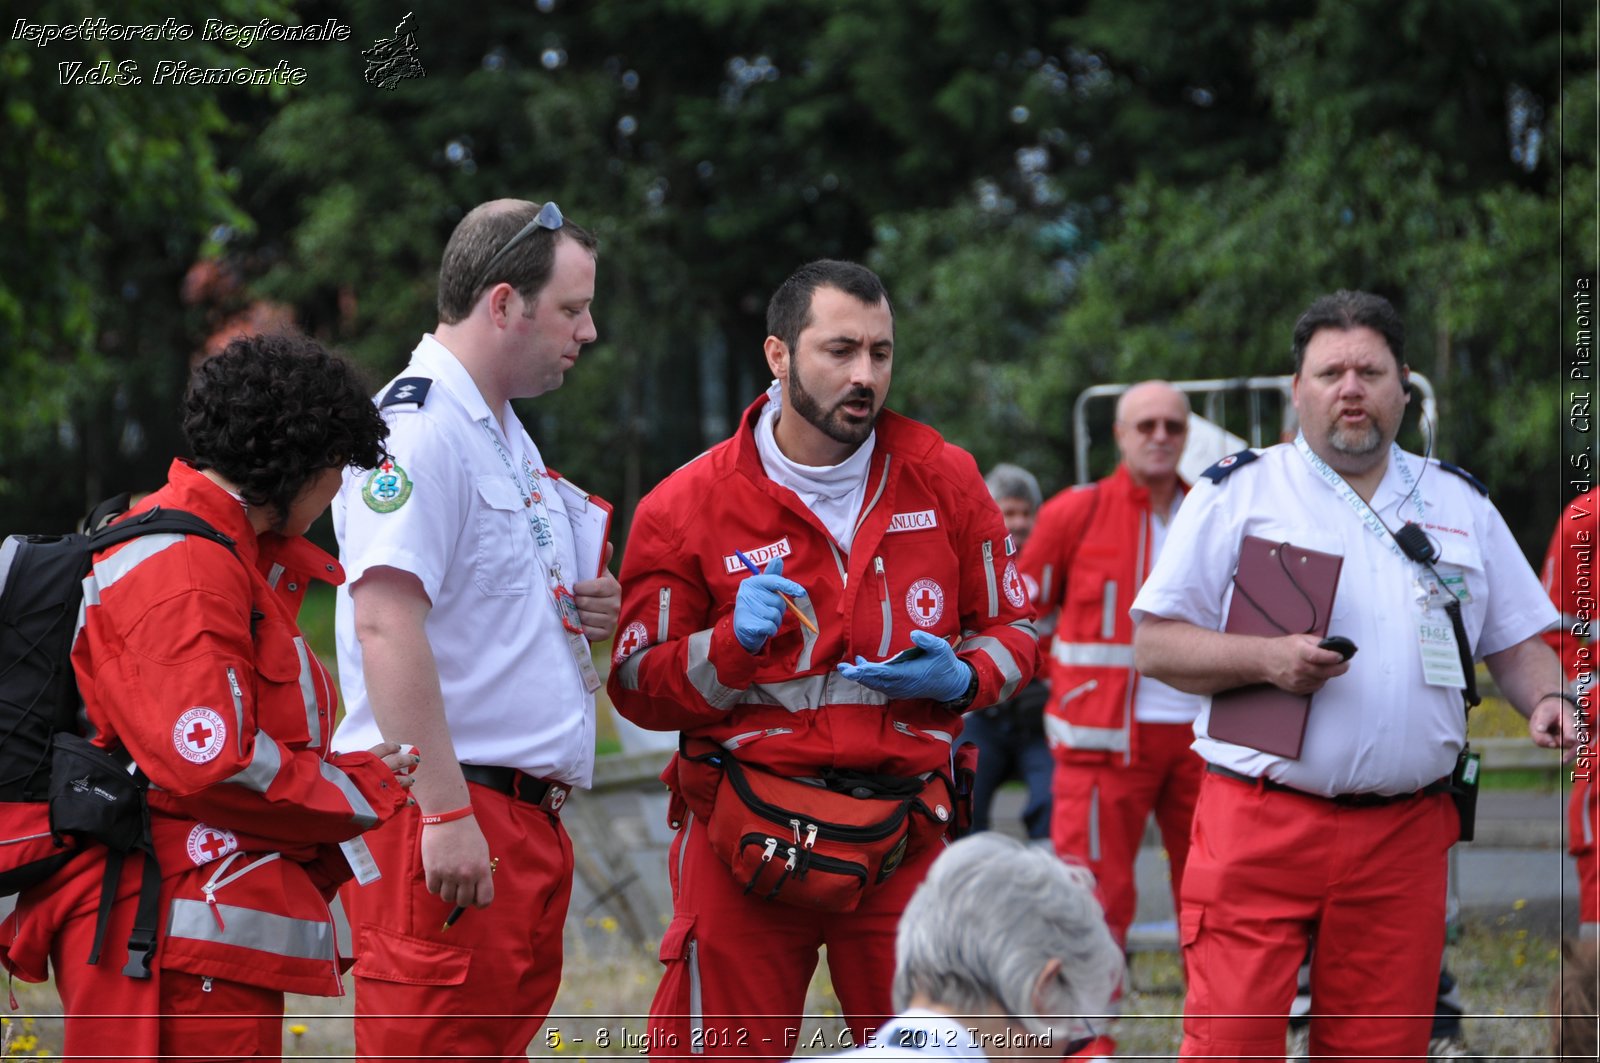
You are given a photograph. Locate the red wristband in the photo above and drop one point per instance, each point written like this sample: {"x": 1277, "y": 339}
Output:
{"x": 429, "y": 820}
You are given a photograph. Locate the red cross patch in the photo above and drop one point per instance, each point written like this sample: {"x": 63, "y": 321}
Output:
{"x": 925, "y": 602}
{"x": 634, "y": 638}
{"x": 1016, "y": 594}
{"x": 199, "y": 734}
{"x": 210, "y": 843}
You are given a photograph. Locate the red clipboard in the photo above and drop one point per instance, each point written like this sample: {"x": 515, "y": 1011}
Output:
{"x": 1279, "y": 588}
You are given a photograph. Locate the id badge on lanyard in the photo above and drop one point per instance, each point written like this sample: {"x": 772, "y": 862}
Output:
{"x": 542, "y": 531}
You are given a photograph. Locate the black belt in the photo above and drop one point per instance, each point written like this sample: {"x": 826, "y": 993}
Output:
{"x": 1438, "y": 786}
{"x": 545, "y": 793}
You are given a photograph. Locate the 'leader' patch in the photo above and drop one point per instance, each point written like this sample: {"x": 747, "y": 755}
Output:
{"x": 386, "y": 488}
{"x": 199, "y": 734}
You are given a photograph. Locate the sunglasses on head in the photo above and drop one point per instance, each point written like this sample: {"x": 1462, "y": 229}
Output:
{"x": 1147, "y": 426}
{"x": 549, "y": 217}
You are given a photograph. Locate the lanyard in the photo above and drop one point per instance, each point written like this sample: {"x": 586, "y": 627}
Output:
{"x": 533, "y": 502}
{"x": 541, "y": 529}
{"x": 1356, "y": 502}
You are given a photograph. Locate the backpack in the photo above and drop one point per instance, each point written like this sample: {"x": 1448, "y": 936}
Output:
{"x": 58, "y": 791}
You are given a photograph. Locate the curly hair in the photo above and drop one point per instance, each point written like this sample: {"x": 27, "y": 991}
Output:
{"x": 272, "y": 411}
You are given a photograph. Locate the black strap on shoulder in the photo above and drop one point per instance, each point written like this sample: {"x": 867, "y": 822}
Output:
{"x": 408, "y": 389}
{"x": 1230, "y": 465}
{"x": 154, "y": 522}
{"x": 1478, "y": 485}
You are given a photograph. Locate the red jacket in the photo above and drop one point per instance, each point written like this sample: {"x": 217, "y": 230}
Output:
{"x": 930, "y": 551}
{"x": 1088, "y": 554}
{"x": 190, "y": 659}
{"x": 1569, "y": 576}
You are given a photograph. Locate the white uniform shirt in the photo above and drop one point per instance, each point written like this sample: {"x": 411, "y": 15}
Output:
{"x": 1153, "y": 700}
{"x": 513, "y": 694}
{"x": 1379, "y": 727}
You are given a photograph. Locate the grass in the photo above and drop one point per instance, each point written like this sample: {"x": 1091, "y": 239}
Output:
{"x": 1505, "y": 968}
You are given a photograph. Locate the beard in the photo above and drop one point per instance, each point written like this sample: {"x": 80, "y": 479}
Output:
{"x": 837, "y": 423}
{"x": 1356, "y": 442}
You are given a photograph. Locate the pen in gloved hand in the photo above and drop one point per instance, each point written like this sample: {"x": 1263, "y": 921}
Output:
{"x": 459, "y": 910}
{"x": 754, "y": 571}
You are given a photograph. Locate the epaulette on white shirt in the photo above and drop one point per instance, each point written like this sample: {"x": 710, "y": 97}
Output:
{"x": 408, "y": 390}
{"x": 1230, "y": 464}
{"x": 1478, "y": 485}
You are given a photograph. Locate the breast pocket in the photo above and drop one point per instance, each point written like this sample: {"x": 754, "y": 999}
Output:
{"x": 1092, "y": 587}
{"x": 505, "y": 541}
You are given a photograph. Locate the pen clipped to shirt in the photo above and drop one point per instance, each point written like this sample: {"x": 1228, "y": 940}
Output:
{"x": 459, "y": 910}
{"x": 754, "y": 571}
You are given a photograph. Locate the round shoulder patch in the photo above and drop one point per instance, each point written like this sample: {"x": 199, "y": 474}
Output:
{"x": 925, "y": 602}
{"x": 200, "y": 734}
{"x": 634, "y": 638}
{"x": 386, "y": 488}
{"x": 210, "y": 843}
{"x": 1016, "y": 593}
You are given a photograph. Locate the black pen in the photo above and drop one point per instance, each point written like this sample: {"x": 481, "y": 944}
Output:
{"x": 461, "y": 909}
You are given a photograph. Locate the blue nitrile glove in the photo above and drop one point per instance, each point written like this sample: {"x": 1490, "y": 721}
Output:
{"x": 758, "y": 608}
{"x": 937, "y": 673}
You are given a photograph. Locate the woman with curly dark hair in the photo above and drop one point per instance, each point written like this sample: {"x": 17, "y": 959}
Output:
{"x": 190, "y": 662}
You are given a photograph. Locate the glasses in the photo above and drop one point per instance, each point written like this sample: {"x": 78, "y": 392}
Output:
{"x": 549, "y": 217}
{"x": 1147, "y": 427}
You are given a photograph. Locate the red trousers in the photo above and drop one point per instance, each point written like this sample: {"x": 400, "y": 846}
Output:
{"x": 1100, "y": 810}
{"x": 738, "y": 966}
{"x": 1267, "y": 872}
{"x": 484, "y": 987}
{"x": 171, "y": 1015}
{"x": 1583, "y": 830}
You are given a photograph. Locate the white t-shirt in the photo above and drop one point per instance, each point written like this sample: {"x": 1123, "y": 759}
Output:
{"x": 513, "y": 693}
{"x": 1380, "y": 727}
{"x": 833, "y": 492}
{"x": 1153, "y": 700}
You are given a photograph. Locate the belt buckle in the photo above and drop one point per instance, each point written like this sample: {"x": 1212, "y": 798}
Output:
{"x": 555, "y": 795}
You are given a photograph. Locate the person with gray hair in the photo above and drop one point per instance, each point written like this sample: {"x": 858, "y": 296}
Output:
{"x": 1010, "y": 734}
{"x": 1002, "y": 952}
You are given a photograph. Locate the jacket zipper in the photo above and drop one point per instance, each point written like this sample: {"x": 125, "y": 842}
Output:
{"x": 883, "y": 586}
{"x": 747, "y": 737}
{"x": 988, "y": 578}
{"x": 663, "y": 613}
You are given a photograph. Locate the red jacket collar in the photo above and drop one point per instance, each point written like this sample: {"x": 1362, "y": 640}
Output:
{"x": 188, "y": 489}
{"x": 896, "y": 434}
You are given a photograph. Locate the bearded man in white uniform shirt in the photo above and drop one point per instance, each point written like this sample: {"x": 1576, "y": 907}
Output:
{"x": 464, "y": 629}
{"x": 1348, "y": 841}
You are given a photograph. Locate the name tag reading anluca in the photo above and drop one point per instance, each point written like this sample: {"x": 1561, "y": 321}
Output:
{"x": 921, "y": 519}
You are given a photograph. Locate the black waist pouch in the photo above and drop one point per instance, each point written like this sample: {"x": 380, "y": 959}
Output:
{"x": 93, "y": 795}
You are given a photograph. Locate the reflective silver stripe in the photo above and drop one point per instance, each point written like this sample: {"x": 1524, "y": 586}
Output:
{"x": 883, "y": 481}
{"x": 628, "y": 673}
{"x": 683, "y": 847}
{"x": 917, "y": 732}
{"x": 703, "y": 674}
{"x": 808, "y": 638}
{"x": 1094, "y": 822}
{"x": 1060, "y": 732}
{"x": 247, "y": 928}
{"x": 813, "y": 692}
{"x": 697, "y": 1044}
{"x": 362, "y": 813}
{"x": 265, "y": 763}
{"x": 996, "y": 651}
{"x": 110, "y": 569}
{"x": 988, "y": 577}
{"x": 1093, "y": 654}
{"x": 308, "y": 693}
{"x": 1047, "y": 578}
{"x": 1108, "y": 610}
{"x": 274, "y": 574}
{"x": 663, "y": 613}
